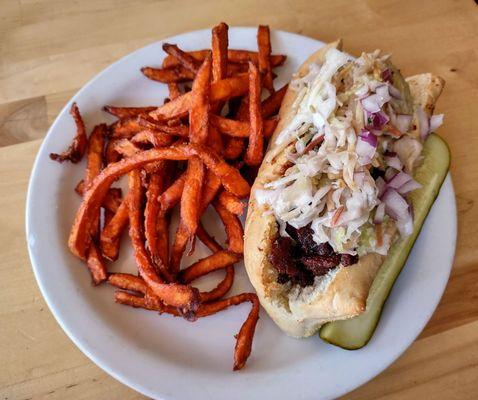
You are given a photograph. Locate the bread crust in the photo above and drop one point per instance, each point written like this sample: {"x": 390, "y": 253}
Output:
{"x": 342, "y": 293}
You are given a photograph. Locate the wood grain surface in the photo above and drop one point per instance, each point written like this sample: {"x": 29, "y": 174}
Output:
{"x": 49, "y": 49}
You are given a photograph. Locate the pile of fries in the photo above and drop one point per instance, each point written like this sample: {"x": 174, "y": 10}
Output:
{"x": 202, "y": 147}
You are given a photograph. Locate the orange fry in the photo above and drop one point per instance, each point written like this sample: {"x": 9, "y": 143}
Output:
{"x": 181, "y": 239}
{"x": 271, "y": 105}
{"x": 186, "y": 60}
{"x": 174, "y": 91}
{"x": 181, "y": 296}
{"x": 265, "y": 67}
{"x": 125, "y": 128}
{"x": 128, "y": 112}
{"x": 168, "y": 75}
{"x": 96, "y": 265}
{"x": 240, "y": 129}
{"x": 216, "y": 261}
{"x": 156, "y": 138}
{"x": 234, "y": 230}
{"x": 77, "y": 149}
{"x": 149, "y": 123}
{"x": 128, "y": 282}
{"x": 255, "y": 149}
{"x": 95, "y": 153}
{"x": 231, "y": 203}
{"x": 110, "y": 236}
{"x": 219, "y": 51}
{"x": 172, "y": 195}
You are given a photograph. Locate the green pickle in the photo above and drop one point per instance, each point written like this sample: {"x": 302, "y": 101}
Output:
{"x": 354, "y": 333}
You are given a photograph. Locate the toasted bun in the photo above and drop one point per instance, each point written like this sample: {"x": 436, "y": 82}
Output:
{"x": 343, "y": 292}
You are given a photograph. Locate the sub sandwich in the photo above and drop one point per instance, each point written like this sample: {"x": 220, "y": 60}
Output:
{"x": 332, "y": 195}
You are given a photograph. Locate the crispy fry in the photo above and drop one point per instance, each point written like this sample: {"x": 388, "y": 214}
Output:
{"x": 271, "y": 105}
{"x": 110, "y": 236}
{"x": 198, "y": 131}
{"x": 95, "y": 153}
{"x": 77, "y": 149}
{"x": 231, "y": 203}
{"x": 218, "y": 260}
{"x": 128, "y": 282}
{"x": 111, "y": 201}
{"x": 207, "y": 239}
{"x": 128, "y": 112}
{"x": 219, "y": 51}
{"x": 168, "y": 75}
{"x": 233, "y": 56}
{"x": 174, "y": 91}
{"x": 126, "y": 148}
{"x": 186, "y": 60}
{"x": 111, "y": 156}
{"x": 172, "y": 195}
{"x": 221, "y": 90}
{"x": 179, "y": 245}
{"x": 177, "y": 130}
{"x": 151, "y": 214}
{"x": 125, "y": 128}
{"x": 156, "y": 138}
{"x": 234, "y": 230}
{"x": 176, "y": 295}
{"x": 265, "y": 67}
{"x": 255, "y": 149}
{"x": 96, "y": 265}
{"x": 240, "y": 129}
{"x": 162, "y": 234}
{"x": 234, "y": 148}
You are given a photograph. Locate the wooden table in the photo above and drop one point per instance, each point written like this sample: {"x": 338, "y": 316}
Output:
{"x": 49, "y": 49}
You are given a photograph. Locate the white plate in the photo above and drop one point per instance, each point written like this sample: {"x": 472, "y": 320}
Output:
{"x": 169, "y": 358}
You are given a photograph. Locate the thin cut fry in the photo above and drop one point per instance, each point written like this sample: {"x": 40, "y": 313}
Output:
{"x": 240, "y": 129}
{"x": 219, "y": 51}
{"x": 181, "y": 296}
{"x": 231, "y": 203}
{"x": 156, "y": 138}
{"x": 221, "y": 90}
{"x": 255, "y": 149}
{"x": 77, "y": 149}
{"x": 177, "y": 130}
{"x": 174, "y": 91}
{"x": 271, "y": 105}
{"x": 179, "y": 245}
{"x": 95, "y": 153}
{"x": 185, "y": 59}
{"x": 111, "y": 156}
{"x": 110, "y": 236}
{"x": 128, "y": 112}
{"x": 96, "y": 265}
{"x": 234, "y": 230}
{"x": 265, "y": 67}
{"x": 172, "y": 195}
{"x": 128, "y": 282}
{"x": 216, "y": 261}
{"x": 125, "y": 128}
{"x": 168, "y": 75}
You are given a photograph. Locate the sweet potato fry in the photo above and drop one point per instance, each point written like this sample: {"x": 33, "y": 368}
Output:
{"x": 233, "y": 56}
{"x": 255, "y": 149}
{"x": 221, "y": 90}
{"x": 186, "y": 60}
{"x": 112, "y": 199}
{"x": 151, "y": 214}
{"x": 127, "y": 112}
{"x": 216, "y": 261}
{"x": 176, "y": 130}
{"x": 181, "y": 296}
{"x": 128, "y": 282}
{"x": 271, "y": 105}
{"x": 110, "y": 236}
{"x": 240, "y": 129}
{"x": 77, "y": 149}
{"x": 96, "y": 265}
{"x": 181, "y": 239}
{"x": 264, "y": 46}
{"x": 162, "y": 234}
{"x": 198, "y": 132}
{"x": 111, "y": 156}
{"x": 229, "y": 176}
{"x": 126, "y": 148}
{"x": 172, "y": 195}
{"x": 219, "y": 51}
{"x": 156, "y": 138}
{"x": 234, "y": 230}
{"x": 174, "y": 91}
{"x": 125, "y": 128}
{"x": 234, "y": 148}
{"x": 231, "y": 203}
{"x": 168, "y": 75}
{"x": 95, "y": 153}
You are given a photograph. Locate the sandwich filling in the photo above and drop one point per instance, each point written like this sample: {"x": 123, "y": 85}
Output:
{"x": 352, "y": 147}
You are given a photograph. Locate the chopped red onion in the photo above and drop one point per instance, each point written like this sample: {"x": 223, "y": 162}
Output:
{"x": 408, "y": 187}
{"x": 399, "y": 180}
{"x": 393, "y": 161}
{"x": 376, "y": 120}
{"x": 383, "y": 94}
{"x": 368, "y": 137}
{"x": 402, "y": 122}
{"x": 395, "y": 205}
{"x": 423, "y": 123}
{"x": 435, "y": 122}
{"x": 390, "y": 173}
{"x": 387, "y": 75}
{"x": 381, "y": 186}
{"x": 359, "y": 178}
{"x": 371, "y": 103}
{"x": 362, "y": 91}
{"x": 379, "y": 214}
